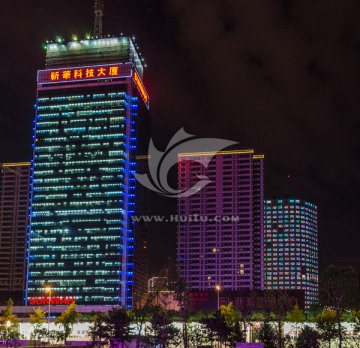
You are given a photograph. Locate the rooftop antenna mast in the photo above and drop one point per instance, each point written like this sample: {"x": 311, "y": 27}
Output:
{"x": 99, "y": 13}
{"x": 289, "y": 178}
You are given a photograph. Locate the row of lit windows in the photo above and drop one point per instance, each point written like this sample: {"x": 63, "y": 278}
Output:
{"x": 40, "y": 188}
{"x": 72, "y": 290}
{"x": 108, "y": 115}
{"x": 68, "y": 148}
{"x": 44, "y": 240}
{"x": 49, "y": 265}
{"x": 74, "y": 273}
{"x": 79, "y": 138}
{"x": 81, "y": 97}
{"x": 78, "y": 204}
{"x": 82, "y": 105}
{"x": 36, "y": 182}
{"x": 78, "y": 170}
{"x": 73, "y": 256}
{"x": 100, "y": 161}
{"x": 70, "y": 97}
{"x": 78, "y": 212}
{"x": 66, "y": 248}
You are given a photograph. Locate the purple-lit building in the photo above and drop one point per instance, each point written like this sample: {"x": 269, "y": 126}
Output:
{"x": 220, "y": 229}
{"x": 291, "y": 247}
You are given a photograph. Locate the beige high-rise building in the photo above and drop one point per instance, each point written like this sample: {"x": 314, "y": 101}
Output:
{"x": 14, "y": 199}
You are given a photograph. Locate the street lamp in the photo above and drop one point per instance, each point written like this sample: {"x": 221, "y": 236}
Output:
{"x": 218, "y": 288}
{"x": 49, "y": 289}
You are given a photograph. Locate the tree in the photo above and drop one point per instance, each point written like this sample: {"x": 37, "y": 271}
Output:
{"x": 197, "y": 335}
{"x": 99, "y": 330}
{"x": 37, "y": 319}
{"x": 232, "y": 318}
{"x": 182, "y": 297}
{"x": 296, "y": 315}
{"x": 280, "y": 306}
{"x": 308, "y": 338}
{"x": 9, "y": 323}
{"x": 118, "y": 323}
{"x": 67, "y": 319}
{"x": 212, "y": 327}
{"x": 224, "y": 326}
{"x": 217, "y": 328}
{"x": 326, "y": 324}
{"x": 339, "y": 289}
{"x": 257, "y": 316}
{"x": 56, "y": 336}
{"x": 355, "y": 323}
{"x": 141, "y": 313}
{"x": 162, "y": 332}
{"x": 313, "y": 312}
{"x": 267, "y": 335}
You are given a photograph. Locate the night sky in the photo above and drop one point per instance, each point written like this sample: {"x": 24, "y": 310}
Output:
{"x": 279, "y": 76}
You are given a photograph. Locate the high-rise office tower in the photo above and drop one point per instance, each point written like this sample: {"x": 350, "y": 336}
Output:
{"x": 220, "y": 229}
{"x": 91, "y": 122}
{"x": 291, "y": 247}
{"x": 14, "y": 202}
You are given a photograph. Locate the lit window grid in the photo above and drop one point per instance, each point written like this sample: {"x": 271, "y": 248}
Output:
{"x": 44, "y": 210}
{"x": 287, "y": 253}
{"x": 222, "y": 253}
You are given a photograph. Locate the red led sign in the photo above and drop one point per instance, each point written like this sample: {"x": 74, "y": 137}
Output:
{"x": 88, "y": 73}
{"x": 84, "y": 73}
{"x": 54, "y": 300}
{"x": 94, "y": 73}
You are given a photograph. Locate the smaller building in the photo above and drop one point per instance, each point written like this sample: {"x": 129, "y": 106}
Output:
{"x": 220, "y": 228}
{"x": 158, "y": 284}
{"x": 291, "y": 247}
{"x": 14, "y": 199}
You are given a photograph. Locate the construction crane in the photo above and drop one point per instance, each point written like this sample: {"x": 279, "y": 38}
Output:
{"x": 99, "y": 13}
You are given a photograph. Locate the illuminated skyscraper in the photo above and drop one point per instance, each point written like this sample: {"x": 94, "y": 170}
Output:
{"x": 220, "y": 229}
{"x": 14, "y": 201}
{"x": 91, "y": 110}
{"x": 291, "y": 247}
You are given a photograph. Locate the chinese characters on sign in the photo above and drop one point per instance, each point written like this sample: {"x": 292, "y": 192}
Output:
{"x": 246, "y": 300}
{"x": 84, "y": 73}
{"x": 264, "y": 303}
{"x": 94, "y": 73}
{"x": 198, "y": 296}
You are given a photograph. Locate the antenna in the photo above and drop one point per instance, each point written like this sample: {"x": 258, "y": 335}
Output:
{"x": 289, "y": 178}
{"x": 99, "y": 13}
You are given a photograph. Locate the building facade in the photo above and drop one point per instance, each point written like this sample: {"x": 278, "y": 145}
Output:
{"x": 141, "y": 243}
{"x": 220, "y": 228}
{"x": 14, "y": 201}
{"x": 91, "y": 109}
{"x": 291, "y": 247}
